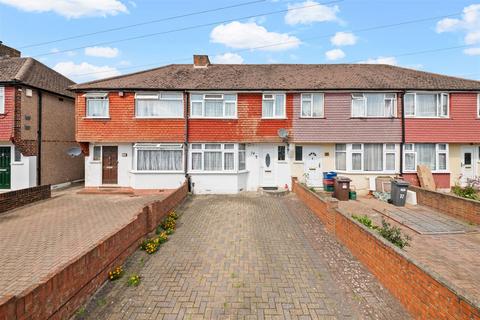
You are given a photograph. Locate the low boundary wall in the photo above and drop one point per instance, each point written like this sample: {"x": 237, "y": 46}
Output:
{"x": 19, "y": 198}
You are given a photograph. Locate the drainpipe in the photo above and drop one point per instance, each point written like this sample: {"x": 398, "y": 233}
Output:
{"x": 186, "y": 141}
{"x": 403, "y": 134}
{"x": 39, "y": 139}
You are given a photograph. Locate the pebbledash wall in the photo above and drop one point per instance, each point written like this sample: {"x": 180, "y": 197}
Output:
{"x": 58, "y": 295}
{"x": 424, "y": 295}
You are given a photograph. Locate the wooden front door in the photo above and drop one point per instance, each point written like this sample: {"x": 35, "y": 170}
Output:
{"x": 5, "y": 155}
{"x": 109, "y": 165}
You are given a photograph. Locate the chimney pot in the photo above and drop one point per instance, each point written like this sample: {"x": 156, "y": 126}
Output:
{"x": 200, "y": 61}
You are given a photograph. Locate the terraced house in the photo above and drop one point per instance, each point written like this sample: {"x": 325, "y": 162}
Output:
{"x": 231, "y": 128}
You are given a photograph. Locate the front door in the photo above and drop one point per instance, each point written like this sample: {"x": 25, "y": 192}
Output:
{"x": 468, "y": 163}
{"x": 313, "y": 166}
{"x": 267, "y": 166}
{"x": 109, "y": 165}
{"x": 5, "y": 155}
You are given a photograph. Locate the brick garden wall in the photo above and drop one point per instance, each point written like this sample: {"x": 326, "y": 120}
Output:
{"x": 18, "y": 198}
{"x": 461, "y": 208}
{"x": 60, "y": 294}
{"x": 423, "y": 295}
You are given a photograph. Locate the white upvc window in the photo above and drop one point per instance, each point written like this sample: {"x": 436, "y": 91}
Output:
{"x": 213, "y": 105}
{"x": 366, "y": 157}
{"x": 217, "y": 157}
{"x": 151, "y": 157}
{"x": 427, "y": 105}
{"x": 159, "y": 105}
{"x": 97, "y": 105}
{"x": 433, "y": 155}
{"x": 2, "y": 100}
{"x": 273, "y": 105}
{"x": 312, "y": 105}
{"x": 374, "y": 105}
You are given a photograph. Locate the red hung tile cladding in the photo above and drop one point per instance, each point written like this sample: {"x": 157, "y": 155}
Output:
{"x": 123, "y": 126}
{"x": 463, "y": 125}
{"x": 249, "y": 127}
{"x": 6, "y": 119}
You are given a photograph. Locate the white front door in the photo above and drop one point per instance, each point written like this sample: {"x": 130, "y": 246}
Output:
{"x": 267, "y": 166}
{"x": 313, "y": 166}
{"x": 468, "y": 163}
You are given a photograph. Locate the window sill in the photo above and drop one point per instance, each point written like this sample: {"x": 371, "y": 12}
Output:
{"x": 157, "y": 172}
{"x": 365, "y": 118}
{"x": 150, "y": 118}
{"x": 274, "y": 118}
{"x": 217, "y": 172}
{"x": 213, "y": 118}
{"x": 436, "y": 171}
{"x": 368, "y": 172}
{"x": 298, "y": 162}
{"x": 96, "y": 118}
{"x": 96, "y": 161}
{"x": 436, "y": 118}
{"x": 312, "y": 118}
{"x": 17, "y": 163}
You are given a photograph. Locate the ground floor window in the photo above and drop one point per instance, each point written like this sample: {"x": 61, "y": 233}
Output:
{"x": 159, "y": 157}
{"x": 433, "y": 155}
{"x": 214, "y": 157}
{"x": 366, "y": 157}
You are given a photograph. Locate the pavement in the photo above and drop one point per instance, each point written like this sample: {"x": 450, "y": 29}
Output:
{"x": 40, "y": 238}
{"x": 246, "y": 256}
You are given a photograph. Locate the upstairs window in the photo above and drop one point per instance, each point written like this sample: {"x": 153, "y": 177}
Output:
{"x": 312, "y": 105}
{"x": 97, "y": 105}
{"x": 213, "y": 105}
{"x": 427, "y": 105}
{"x": 2, "y": 100}
{"x": 273, "y": 105}
{"x": 435, "y": 156}
{"x": 374, "y": 105}
{"x": 159, "y": 105}
{"x": 159, "y": 157}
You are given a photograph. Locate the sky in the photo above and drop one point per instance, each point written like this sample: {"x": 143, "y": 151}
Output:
{"x": 93, "y": 39}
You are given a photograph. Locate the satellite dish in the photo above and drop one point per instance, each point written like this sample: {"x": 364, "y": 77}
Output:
{"x": 74, "y": 152}
{"x": 282, "y": 133}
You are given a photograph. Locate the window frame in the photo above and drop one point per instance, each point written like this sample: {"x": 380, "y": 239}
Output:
{"x": 158, "y": 97}
{"x": 93, "y": 154}
{"x": 273, "y": 94}
{"x": 204, "y": 97}
{"x": 16, "y": 151}
{"x": 439, "y": 106}
{"x": 99, "y": 96}
{"x": 365, "y": 104}
{"x": 2, "y": 100}
{"x": 284, "y": 153}
{"x": 438, "y": 151}
{"x": 235, "y": 150}
{"x": 349, "y": 151}
{"x": 302, "y": 99}
{"x": 295, "y": 154}
{"x": 155, "y": 147}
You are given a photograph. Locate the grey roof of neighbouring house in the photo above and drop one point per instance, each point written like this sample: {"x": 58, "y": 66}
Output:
{"x": 33, "y": 73}
{"x": 281, "y": 77}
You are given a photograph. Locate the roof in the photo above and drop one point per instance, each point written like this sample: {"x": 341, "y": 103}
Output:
{"x": 31, "y": 72}
{"x": 281, "y": 77}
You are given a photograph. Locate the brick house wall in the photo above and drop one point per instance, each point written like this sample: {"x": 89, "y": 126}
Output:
{"x": 6, "y": 119}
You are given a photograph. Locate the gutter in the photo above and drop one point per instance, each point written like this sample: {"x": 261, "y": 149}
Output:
{"x": 187, "y": 176}
{"x": 39, "y": 139}
{"x": 403, "y": 133}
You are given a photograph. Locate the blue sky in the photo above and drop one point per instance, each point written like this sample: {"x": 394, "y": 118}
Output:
{"x": 310, "y": 32}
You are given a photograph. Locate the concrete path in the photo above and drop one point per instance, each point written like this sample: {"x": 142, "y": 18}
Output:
{"x": 246, "y": 257}
{"x": 36, "y": 240}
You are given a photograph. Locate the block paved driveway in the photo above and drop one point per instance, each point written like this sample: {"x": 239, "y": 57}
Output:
{"x": 247, "y": 256}
{"x": 39, "y": 238}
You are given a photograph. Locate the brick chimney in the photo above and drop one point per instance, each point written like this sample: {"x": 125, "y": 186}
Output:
{"x": 7, "y": 52}
{"x": 200, "y": 61}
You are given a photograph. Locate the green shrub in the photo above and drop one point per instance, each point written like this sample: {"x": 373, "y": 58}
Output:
{"x": 394, "y": 235}
{"x": 365, "y": 220}
{"x": 133, "y": 280}
{"x": 467, "y": 192}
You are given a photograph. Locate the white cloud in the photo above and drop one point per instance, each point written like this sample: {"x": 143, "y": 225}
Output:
{"x": 228, "y": 58}
{"x": 85, "y": 71}
{"x": 381, "y": 60}
{"x": 309, "y": 12}
{"x": 335, "y": 54}
{"x": 343, "y": 39}
{"x": 469, "y": 23}
{"x": 472, "y": 51}
{"x": 103, "y": 52}
{"x": 71, "y": 8}
{"x": 250, "y": 36}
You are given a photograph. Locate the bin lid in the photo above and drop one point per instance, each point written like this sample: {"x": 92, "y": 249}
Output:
{"x": 402, "y": 183}
{"x": 343, "y": 179}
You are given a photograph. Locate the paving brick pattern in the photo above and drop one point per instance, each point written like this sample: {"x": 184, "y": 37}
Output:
{"x": 247, "y": 257}
{"x": 39, "y": 238}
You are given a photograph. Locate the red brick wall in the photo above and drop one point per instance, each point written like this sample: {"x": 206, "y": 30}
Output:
{"x": 465, "y": 209}
{"x": 18, "y": 198}
{"x": 6, "y": 119}
{"x": 442, "y": 180}
{"x": 422, "y": 294}
{"x": 59, "y": 296}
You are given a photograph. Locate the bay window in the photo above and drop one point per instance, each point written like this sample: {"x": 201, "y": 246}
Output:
{"x": 427, "y": 105}
{"x": 97, "y": 105}
{"x": 158, "y": 157}
{"x": 2, "y": 100}
{"x": 213, "y": 105}
{"x": 312, "y": 105}
{"x": 273, "y": 105}
{"x": 159, "y": 105}
{"x": 216, "y": 157}
{"x": 374, "y": 105}
{"x": 435, "y": 156}
{"x": 365, "y": 157}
